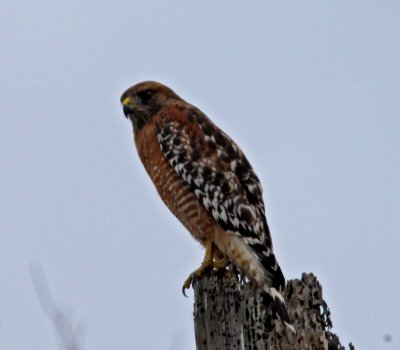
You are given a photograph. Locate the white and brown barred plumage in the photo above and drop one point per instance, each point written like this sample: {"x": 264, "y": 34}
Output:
{"x": 206, "y": 181}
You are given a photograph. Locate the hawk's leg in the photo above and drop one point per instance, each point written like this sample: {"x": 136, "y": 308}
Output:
{"x": 207, "y": 264}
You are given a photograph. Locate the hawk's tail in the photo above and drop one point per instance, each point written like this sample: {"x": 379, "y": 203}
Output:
{"x": 274, "y": 282}
{"x": 280, "y": 306}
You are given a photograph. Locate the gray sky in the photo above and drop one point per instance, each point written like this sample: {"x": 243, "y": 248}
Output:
{"x": 309, "y": 91}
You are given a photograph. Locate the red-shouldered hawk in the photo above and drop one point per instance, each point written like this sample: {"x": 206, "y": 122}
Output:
{"x": 206, "y": 181}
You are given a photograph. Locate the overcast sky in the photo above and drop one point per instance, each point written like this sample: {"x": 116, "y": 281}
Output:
{"x": 311, "y": 93}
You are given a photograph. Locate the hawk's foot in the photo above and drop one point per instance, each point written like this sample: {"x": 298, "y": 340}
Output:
{"x": 207, "y": 264}
{"x": 196, "y": 274}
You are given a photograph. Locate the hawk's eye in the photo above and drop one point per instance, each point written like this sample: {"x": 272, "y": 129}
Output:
{"x": 145, "y": 96}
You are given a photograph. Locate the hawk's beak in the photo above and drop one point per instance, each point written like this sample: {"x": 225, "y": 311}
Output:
{"x": 128, "y": 106}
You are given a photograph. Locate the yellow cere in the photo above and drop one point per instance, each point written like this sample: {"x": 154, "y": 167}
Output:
{"x": 127, "y": 101}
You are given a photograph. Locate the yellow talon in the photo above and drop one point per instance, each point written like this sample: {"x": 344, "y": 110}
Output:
{"x": 207, "y": 264}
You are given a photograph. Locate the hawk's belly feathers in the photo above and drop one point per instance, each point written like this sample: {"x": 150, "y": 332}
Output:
{"x": 175, "y": 193}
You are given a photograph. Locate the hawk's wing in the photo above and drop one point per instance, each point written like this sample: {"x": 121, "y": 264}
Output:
{"x": 221, "y": 177}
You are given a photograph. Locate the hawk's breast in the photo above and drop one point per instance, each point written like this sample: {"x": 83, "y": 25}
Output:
{"x": 175, "y": 193}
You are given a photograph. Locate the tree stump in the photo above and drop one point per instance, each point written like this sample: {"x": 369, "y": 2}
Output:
{"x": 230, "y": 313}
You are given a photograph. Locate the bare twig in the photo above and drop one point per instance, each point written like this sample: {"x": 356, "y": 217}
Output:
{"x": 70, "y": 337}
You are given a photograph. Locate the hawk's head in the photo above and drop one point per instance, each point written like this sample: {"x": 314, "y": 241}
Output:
{"x": 143, "y": 100}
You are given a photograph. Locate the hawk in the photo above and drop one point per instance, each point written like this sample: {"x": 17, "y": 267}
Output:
{"x": 207, "y": 182}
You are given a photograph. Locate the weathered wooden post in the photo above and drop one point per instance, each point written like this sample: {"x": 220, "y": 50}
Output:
{"x": 231, "y": 314}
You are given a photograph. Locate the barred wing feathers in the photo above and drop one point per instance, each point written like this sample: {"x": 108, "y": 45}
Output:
{"x": 222, "y": 179}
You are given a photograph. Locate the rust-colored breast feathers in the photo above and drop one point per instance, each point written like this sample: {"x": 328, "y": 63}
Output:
{"x": 175, "y": 193}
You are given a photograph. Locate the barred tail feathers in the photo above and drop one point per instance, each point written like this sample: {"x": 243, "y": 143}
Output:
{"x": 274, "y": 281}
{"x": 280, "y": 305}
